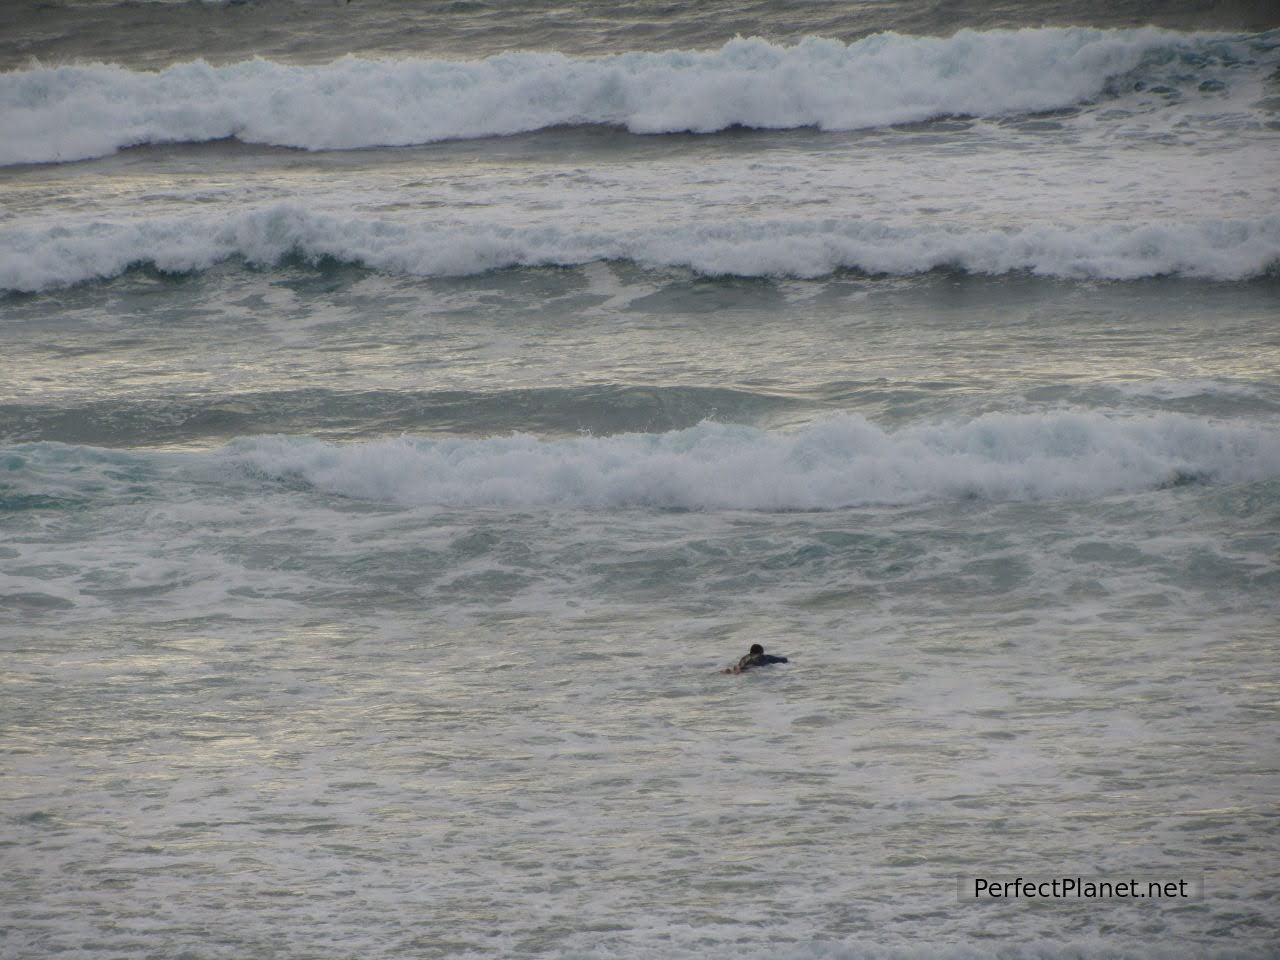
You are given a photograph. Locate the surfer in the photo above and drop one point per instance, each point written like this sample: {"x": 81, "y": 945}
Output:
{"x": 756, "y": 657}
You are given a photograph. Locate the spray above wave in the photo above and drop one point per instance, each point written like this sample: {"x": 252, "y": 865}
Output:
{"x": 65, "y": 113}
{"x": 840, "y": 462}
{"x": 68, "y": 252}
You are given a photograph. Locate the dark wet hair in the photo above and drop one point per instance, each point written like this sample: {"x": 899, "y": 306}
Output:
{"x": 756, "y": 648}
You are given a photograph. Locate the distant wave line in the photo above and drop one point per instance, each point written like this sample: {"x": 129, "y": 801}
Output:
{"x": 73, "y": 112}
{"x": 70, "y": 251}
{"x": 834, "y": 463}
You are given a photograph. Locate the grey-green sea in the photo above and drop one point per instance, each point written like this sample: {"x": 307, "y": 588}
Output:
{"x": 409, "y": 409}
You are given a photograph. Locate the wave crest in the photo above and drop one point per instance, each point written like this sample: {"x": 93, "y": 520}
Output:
{"x": 52, "y": 114}
{"x": 843, "y": 461}
{"x": 39, "y": 258}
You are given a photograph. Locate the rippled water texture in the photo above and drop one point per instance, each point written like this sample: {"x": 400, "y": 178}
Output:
{"x": 395, "y": 449}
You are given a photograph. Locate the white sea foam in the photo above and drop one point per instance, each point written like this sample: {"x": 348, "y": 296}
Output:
{"x": 68, "y": 252}
{"x": 60, "y": 113}
{"x": 840, "y": 462}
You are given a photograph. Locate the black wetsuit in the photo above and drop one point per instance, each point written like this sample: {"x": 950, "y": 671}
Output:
{"x": 759, "y": 660}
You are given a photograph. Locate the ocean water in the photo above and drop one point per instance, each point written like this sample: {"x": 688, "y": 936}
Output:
{"x": 408, "y": 409}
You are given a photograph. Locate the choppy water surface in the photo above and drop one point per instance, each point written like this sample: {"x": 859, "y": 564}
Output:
{"x": 393, "y": 450}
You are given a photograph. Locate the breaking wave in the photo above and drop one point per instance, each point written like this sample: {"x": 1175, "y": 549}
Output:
{"x": 840, "y": 462}
{"x": 61, "y": 254}
{"x": 72, "y": 112}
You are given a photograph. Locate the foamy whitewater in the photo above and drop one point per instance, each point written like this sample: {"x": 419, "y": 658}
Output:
{"x": 67, "y": 253}
{"x": 74, "y": 112}
{"x": 407, "y": 410}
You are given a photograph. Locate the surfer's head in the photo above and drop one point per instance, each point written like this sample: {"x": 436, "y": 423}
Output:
{"x": 756, "y": 648}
